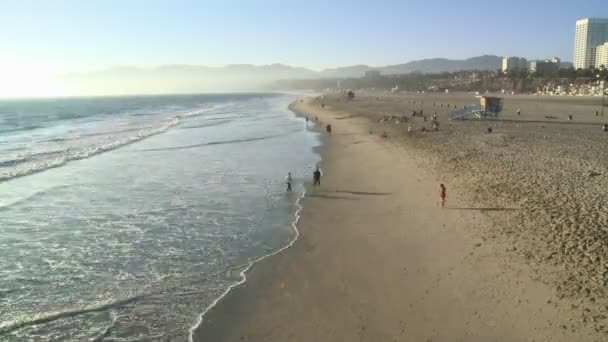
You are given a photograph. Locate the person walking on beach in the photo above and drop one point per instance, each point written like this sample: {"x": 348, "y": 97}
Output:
{"x": 518, "y": 112}
{"x": 316, "y": 177}
{"x": 289, "y": 180}
{"x": 435, "y": 124}
{"x": 442, "y": 195}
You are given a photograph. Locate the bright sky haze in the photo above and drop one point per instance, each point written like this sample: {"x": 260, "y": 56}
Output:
{"x": 45, "y": 38}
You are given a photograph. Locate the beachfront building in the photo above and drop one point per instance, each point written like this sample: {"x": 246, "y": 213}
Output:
{"x": 601, "y": 56}
{"x": 590, "y": 33}
{"x": 545, "y": 68}
{"x": 513, "y": 64}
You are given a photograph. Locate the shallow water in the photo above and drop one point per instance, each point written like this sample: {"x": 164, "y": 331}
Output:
{"x": 123, "y": 218}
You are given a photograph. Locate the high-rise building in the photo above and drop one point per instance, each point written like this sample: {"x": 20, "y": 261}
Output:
{"x": 545, "y": 68}
{"x": 590, "y": 33}
{"x": 601, "y": 56}
{"x": 513, "y": 63}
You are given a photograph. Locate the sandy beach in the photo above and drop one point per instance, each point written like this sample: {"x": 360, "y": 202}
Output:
{"x": 517, "y": 254}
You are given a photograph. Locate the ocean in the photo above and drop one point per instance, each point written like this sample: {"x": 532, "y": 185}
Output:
{"x": 124, "y": 218}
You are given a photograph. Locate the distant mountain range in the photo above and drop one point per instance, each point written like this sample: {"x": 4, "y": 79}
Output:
{"x": 433, "y": 65}
{"x": 246, "y": 77}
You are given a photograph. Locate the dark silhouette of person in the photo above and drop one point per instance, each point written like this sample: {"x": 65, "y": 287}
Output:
{"x": 316, "y": 177}
{"x": 289, "y": 180}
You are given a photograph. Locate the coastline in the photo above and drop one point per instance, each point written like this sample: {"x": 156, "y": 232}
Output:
{"x": 243, "y": 273}
{"x": 430, "y": 275}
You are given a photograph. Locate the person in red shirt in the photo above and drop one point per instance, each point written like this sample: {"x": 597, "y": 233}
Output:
{"x": 442, "y": 195}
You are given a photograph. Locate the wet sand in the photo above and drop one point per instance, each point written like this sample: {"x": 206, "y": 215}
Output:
{"x": 379, "y": 260}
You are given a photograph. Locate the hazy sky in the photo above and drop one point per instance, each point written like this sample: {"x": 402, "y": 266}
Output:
{"x": 44, "y": 37}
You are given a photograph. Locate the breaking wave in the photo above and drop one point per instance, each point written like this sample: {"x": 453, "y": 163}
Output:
{"x": 36, "y": 166}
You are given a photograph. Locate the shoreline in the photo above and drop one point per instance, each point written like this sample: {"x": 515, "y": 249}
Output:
{"x": 243, "y": 273}
{"x": 382, "y": 263}
{"x": 250, "y": 265}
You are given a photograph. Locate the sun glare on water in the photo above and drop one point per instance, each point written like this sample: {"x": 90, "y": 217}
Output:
{"x": 33, "y": 82}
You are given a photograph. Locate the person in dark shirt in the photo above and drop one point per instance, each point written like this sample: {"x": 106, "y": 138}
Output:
{"x": 316, "y": 177}
{"x": 289, "y": 180}
{"x": 442, "y": 195}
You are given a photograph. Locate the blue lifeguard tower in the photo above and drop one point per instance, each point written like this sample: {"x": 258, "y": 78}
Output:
{"x": 489, "y": 107}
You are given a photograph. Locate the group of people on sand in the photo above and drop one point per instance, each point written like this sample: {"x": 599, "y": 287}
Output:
{"x": 316, "y": 182}
{"x": 327, "y": 127}
{"x": 316, "y": 179}
{"x": 316, "y": 176}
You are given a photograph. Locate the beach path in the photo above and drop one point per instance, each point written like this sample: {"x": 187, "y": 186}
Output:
{"x": 379, "y": 260}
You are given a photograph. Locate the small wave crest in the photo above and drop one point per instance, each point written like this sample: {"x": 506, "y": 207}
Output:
{"x": 212, "y": 124}
{"x": 8, "y": 327}
{"x": 20, "y": 129}
{"x": 209, "y": 143}
{"x": 31, "y": 197}
{"x": 13, "y": 161}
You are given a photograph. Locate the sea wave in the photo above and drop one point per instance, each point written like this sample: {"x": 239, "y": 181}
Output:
{"x": 31, "y": 197}
{"x": 43, "y": 165}
{"x": 210, "y": 143}
{"x": 8, "y": 327}
{"x": 212, "y": 124}
{"x": 19, "y": 129}
{"x": 13, "y": 161}
{"x": 94, "y": 134}
{"x": 107, "y": 330}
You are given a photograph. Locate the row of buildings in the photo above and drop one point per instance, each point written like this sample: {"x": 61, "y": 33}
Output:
{"x": 591, "y": 43}
{"x": 545, "y": 68}
{"x": 590, "y": 50}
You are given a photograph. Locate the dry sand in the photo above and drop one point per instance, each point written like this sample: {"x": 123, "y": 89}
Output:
{"x": 378, "y": 260}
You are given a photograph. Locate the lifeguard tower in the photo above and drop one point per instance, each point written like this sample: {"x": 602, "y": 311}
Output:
{"x": 489, "y": 107}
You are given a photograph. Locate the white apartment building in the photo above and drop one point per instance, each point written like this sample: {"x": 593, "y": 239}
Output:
{"x": 601, "y": 56}
{"x": 590, "y": 33}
